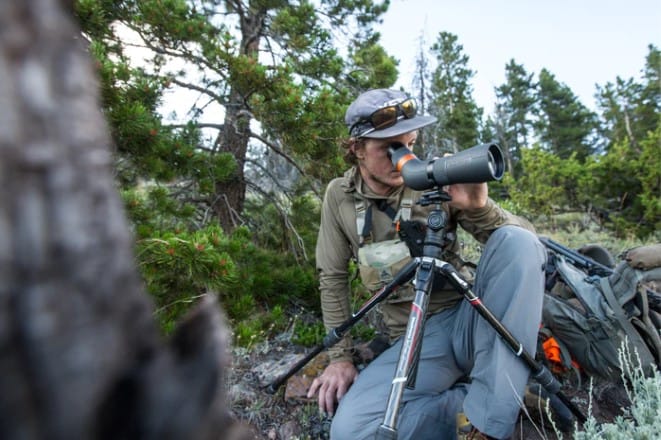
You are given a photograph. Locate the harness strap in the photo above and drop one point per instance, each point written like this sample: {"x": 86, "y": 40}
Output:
{"x": 361, "y": 213}
{"x": 383, "y": 206}
{"x": 406, "y": 206}
{"x": 364, "y": 213}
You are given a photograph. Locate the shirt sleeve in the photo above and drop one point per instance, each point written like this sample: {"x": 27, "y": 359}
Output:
{"x": 480, "y": 223}
{"x": 333, "y": 253}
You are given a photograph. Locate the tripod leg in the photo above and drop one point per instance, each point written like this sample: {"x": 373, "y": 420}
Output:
{"x": 538, "y": 371}
{"x": 405, "y": 372}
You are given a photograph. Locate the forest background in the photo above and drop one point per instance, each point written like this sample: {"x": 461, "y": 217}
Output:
{"x": 229, "y": 207}
{"x": 227, "y": 211}
{"x": 232, "y": 207}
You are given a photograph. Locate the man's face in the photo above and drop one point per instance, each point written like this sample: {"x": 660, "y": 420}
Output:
{"x": 375, "y": 165}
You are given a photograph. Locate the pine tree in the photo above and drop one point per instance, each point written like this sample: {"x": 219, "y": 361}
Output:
{"x": 425, "y": 143}
{"x": 452, "y": 103}
{"x": 629, "y": 185}
{"x": 272, "y": 72}
{"x": 274, "y": 75}
{"x": 630, "y": 107}
{"x": 515, "y": 102}
{"x": 564, "y": 125}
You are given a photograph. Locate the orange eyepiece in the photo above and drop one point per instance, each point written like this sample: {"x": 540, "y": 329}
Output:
{"x": 405, "y": 158}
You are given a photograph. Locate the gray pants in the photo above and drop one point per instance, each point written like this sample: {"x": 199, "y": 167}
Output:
{"x": 458, "y": 343}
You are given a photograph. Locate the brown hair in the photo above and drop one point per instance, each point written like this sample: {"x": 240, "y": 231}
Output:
{"x": 349, "y": 152}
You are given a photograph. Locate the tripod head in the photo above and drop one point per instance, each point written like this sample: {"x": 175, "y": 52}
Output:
{"x": 436, "y": 237}
{"x": 434, "y": 196}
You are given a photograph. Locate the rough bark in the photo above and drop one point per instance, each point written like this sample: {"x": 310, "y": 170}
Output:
{"x": 80, "y": 354}
{"x": 236, "y": 135}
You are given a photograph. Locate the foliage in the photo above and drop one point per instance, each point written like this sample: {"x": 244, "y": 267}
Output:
{"x": 258, "y": 165}
{"x": 179, "y": 267}
{"x": 512, "y": 121}
{"x": 452, "y": 102}
{"x": 648, "y": 169}
{"x": 629, "y": 202}
{"x": 248, "y": 332}
{"x": 292, "y": 230}
{"x": 180, "y": 262}
{"x": 634, "y": 196}
{"x": 564, "y": 124}
{"x": 548, "y": 185}
{"x": 640, "y": 420}
{"x": 309, "y": 335}
{"x": 630, "y": 109}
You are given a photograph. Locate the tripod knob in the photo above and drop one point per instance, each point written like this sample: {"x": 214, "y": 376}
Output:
{"x": 437, "y": 219}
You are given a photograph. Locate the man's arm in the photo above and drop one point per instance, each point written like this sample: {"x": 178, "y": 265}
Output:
{"x": 333, "y": 253}
{"x": 478, "y": 214}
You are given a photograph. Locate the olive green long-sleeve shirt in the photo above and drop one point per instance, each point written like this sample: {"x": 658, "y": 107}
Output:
{"x": 338, "y": 243}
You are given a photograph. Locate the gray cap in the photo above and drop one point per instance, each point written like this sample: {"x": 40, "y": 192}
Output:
{"x": 365, "y": 104}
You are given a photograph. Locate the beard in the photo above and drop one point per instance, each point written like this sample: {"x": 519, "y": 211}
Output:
{"x": 382, "y": 183}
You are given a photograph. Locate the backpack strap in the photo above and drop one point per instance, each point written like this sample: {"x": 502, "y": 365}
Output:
{"x": 647, "y": 326}
{"x": 633, "y": 335}
{"x": 384, "y": 207}
{"x": 644, "y": 320}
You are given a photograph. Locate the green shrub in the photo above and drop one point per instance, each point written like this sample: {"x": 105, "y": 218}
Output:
{"x": 641, "y": 419}
{"x": 178, "y": 267}
{"x": 309, "y": 334}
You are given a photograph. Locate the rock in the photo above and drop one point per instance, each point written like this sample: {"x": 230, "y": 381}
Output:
{"x": 299, "y": 384}
{"x": 242, "y": 393}
{"x": 290, "y": 429}
{"x": 272, "y": 369}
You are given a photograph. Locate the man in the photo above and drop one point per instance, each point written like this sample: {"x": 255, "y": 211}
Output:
{"x": 464, "y": 368}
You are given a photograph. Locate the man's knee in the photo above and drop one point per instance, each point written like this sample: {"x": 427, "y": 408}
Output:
{"x": 347, "y": 424}
{"x": 514, "y": 234}
{"x": 516, "y": 244}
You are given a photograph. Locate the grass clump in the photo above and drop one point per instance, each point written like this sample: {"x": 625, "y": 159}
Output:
{"x": 641, "y": 419}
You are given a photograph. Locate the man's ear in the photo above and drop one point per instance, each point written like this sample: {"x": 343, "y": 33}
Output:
{"x": 358, "y": 150}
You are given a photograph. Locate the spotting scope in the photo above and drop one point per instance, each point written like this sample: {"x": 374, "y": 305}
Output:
{"x": 477, "y": 164}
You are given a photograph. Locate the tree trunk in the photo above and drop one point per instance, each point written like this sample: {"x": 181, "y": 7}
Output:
{"x": 228, "y": 205}
{"x": 80, "y": 354}
{"x": 231, "y": 195}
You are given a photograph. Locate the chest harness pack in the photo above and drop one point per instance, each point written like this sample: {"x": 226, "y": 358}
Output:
{"x": 378, "y": 262}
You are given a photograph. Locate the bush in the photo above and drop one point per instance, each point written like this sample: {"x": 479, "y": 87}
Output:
{"x": 641, "y": 419}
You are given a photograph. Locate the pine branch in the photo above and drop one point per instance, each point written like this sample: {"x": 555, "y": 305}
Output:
{"x": 204, "y": 91}
{"x": 285, "y": 218}
{"x": 276, "y": 149}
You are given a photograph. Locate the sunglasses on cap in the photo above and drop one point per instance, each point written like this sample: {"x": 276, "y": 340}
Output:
{"x": 385, "y": 117}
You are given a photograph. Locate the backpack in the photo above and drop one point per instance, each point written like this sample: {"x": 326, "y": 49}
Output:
{"x": 587, "y": 316}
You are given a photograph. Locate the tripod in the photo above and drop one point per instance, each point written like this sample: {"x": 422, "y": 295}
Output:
{"x": 425, "y": 268}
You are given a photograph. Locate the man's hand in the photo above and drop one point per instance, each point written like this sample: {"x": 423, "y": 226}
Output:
{"x": 468, "y": 196}
{"x": 333, "y": 385}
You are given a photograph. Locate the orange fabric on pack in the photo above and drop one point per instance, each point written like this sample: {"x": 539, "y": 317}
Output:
{"x": 552, "y": 350}
{"x": 554, "y": 353}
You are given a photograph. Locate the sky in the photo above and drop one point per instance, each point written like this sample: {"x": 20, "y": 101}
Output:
{"x": 581, "y": 42}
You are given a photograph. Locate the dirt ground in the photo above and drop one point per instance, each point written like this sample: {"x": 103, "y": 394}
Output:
{"x": 287, "y": 414}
